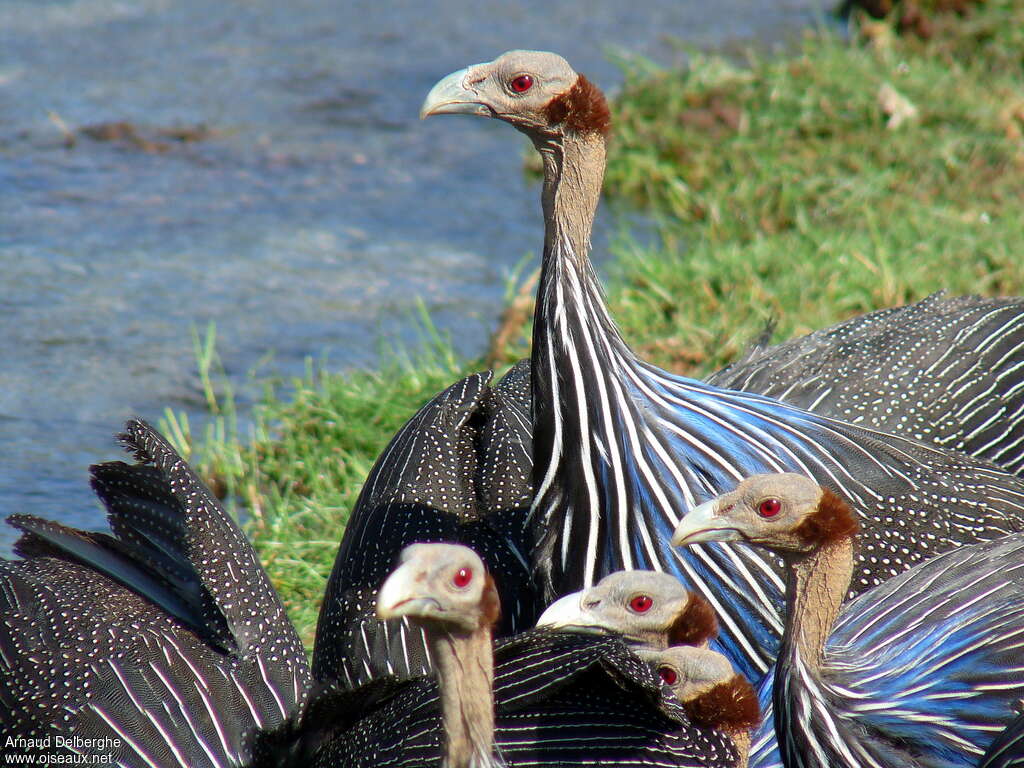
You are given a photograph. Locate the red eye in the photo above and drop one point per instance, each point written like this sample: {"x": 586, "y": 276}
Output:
{"x": 640, "y": 604}
{"x": 462, "y": 577}
{"x": 769, "y": 508}
{"x": 668, "y": 675}
{"x": 521, "y": 84}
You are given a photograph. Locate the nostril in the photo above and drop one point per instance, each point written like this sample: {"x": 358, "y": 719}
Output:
{"x": 592, "y": 603}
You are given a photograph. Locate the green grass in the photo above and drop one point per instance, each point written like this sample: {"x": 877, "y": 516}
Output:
{"x": 312, "y": 442}
{"x": 778, "y": 191}
{"x": 781, "y": 192}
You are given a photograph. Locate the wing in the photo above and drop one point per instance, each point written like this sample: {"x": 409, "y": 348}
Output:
{"x": 933, "y": 658}
{"x": 560, "y": 699}
{"x": 458, "y": 471}
{"x": 165, "y": 638}
{"x": 961, "y": 355}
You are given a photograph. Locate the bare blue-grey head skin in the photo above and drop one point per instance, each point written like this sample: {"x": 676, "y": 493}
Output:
{"x": 489, "y": 89}
{"x": 734, "y": 516}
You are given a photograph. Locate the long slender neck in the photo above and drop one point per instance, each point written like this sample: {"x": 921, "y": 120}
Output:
{"x": 815, "y": 587}
{"x": 464, "y": 664}
{"x": 571, "y": 334}
{"x": 573, "y": 174}
{"x": 812, "y": 729}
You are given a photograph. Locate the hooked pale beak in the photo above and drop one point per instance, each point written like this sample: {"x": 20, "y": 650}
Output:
{"x": 568, "y": 612}
{"x": 702, "y": 524}
{"x": 398, "y": 596}
{"x": 451, "y": 96}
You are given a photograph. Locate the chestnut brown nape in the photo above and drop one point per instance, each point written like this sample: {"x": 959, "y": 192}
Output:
{"x": 490, "y": 604}
{"x": 695, "y": 624}
{"x": 729, "y": 706}
{"x": 581, "y": 109}
{"x": 832, "y": 520}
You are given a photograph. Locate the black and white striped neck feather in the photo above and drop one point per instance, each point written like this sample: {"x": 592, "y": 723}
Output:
{"x": 623, "y": 450}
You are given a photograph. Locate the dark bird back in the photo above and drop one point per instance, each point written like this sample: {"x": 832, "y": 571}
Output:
{"x": 458, "y": 471}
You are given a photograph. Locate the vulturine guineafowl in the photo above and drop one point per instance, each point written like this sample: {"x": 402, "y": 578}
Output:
{"x": 647, "y": 608}
{"x": 945, "y": 370}
{"x": 923, "y": 670}
{"x": 622, "y": 450}
{"x": 458, "y": 471}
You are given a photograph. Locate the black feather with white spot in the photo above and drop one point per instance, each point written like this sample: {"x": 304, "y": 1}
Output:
{"x": 458, "y": 471}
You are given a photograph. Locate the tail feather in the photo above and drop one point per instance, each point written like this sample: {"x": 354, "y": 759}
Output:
{"x": 182, "y": 598}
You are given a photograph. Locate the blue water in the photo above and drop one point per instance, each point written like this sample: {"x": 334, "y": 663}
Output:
{"x": 308, "y": 224}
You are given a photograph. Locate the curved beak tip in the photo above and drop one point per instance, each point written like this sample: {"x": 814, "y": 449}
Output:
{"x": 396, "y": 590}
{"x": 565, "y": 611}
{"x": 697, "y": 526}
{"x": 450, "y": 96}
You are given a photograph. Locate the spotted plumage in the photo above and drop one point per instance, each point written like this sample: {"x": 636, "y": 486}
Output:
{"x": 458, "y": 471}
{"x": 162, "y": 643}
{"x": 623, "y": 450}
{"x": 560, "y": 700}
{"x": 946, "y": 371}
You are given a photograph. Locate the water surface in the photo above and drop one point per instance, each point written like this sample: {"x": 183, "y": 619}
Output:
{"x": 308, "y": 224}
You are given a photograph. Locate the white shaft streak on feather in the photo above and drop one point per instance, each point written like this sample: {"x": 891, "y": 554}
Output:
{"x": 614, "y": 456}
{"x": 218, "y": 726}
{"x": 725, "y": 618}
{"x": 271, "y": 687}
{"x": 136, "y": 747}
{"x": 196, "y": 674}
{"x": 148, "y": 715}
{"x": 183, "y": 707}
{"x": 257, "y": 718}
{"x": 569, "y": 348}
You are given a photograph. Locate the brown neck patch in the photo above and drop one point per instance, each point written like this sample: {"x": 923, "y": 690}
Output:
{"x": 831, "y": 521}
{"x": 729, "y": 706}
{"x": 581, "y": 109}
{"x": 490, "y": 604}
{"x": 695, "y": 624}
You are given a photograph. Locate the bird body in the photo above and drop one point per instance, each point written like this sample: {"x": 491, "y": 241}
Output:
{"x": 623, "y": 450}
{"x": 669, "y": 627}
{"x": 458, "y": 471}
{"x": 594, "y": 701}
{"x": 162, "y": 644}
{"x": 920, "y": 671}
{"x": 561, "y": 700}
{"x": 945, "y": 371}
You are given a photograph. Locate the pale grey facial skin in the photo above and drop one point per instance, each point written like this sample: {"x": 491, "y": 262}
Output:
{"x": 697, "y": 670}
{"x": 605, "y": 607}
{"x": 425, "y": 586}
{"x": 734, "y": 516}
{"x": 489, "y": 90}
